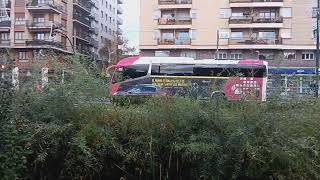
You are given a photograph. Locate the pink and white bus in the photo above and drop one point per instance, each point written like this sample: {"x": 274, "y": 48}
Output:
{"x": 232, "y": 79}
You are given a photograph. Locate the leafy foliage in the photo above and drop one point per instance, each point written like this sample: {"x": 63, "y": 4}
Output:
{"x": 66, "y": 131}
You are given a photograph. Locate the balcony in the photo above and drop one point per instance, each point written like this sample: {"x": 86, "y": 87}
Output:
{"x": 7, "y": 5}
{"x": 84, "y": 5}
{"x": 44, "y": 26}
{"x": 82, "y": 20}
{"x": 5, "y": 43}
{"x": 256, "y": 3}
{"x": 94, "y": 30}
{"x": 5, "y": 25}
{"x": 255, "y": 43}
{"x": 45, "y": 6}
{"x": 119, "y": 10}
{"x": 174, "y": 41}
{"x": 94, "y": 42}
{"x": 119, "y": 21}
{"x": 35, "y": 43}
{"x": 165, "y": 2}
{"x": 82, "y": 36}
{"x": 174, "y": 4}
{"x": 175, "y": 21}
{"x": 255, "y": 22}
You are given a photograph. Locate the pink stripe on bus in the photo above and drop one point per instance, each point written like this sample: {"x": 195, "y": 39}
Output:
{"x": 250, "y": 62}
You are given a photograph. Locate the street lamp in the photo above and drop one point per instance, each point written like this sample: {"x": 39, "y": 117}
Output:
{"x": 318, "y": 51}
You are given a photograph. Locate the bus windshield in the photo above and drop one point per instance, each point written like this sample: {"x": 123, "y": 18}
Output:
{"x": 130, "y": 72}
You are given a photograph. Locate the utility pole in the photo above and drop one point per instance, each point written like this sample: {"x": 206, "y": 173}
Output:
{"x": 218, "y": 41}
{"x": 318, "y": 51}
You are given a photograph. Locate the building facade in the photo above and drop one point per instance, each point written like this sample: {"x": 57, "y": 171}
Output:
{"x": 279, "y": 31}
{"x": 26, "y": 27}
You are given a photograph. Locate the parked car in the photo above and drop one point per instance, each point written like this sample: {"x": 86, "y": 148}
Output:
{"x": 143, "y": 90}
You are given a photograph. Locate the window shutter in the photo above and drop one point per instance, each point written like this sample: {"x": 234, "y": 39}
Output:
{"x": 193, "y": 14}
{"x": 156, "y": 34}
{"x": 194, "y": 34}
{"x": 286, "y": 12}
{"x": 157, "y": 14}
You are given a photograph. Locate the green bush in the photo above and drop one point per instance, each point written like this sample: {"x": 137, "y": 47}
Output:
{"x": 64, "y": 132}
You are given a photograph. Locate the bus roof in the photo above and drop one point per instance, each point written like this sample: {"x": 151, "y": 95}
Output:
{"x": 183, "y": 60}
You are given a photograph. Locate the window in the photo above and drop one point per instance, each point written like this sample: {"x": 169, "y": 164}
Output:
{"x": 106, "y": 17}
{"x": 162, "y": 53}
{"x": 225, "y": 13}
{"x": 236, "y": 55}
{"x": 23, "y": 55}
{"x": 307, "y": 56}
{"x": 20, "y": 21}
{"x": 110, "y": 31}
{"x": 110, "y": 19}
{"x": 4, "y": 36}
{"x": 289, "y": 55}
{"x": 106, "y": 29}
{"x": 266, "y": 56}
{"x": 224, "y": 33}
{"x": 267, "y": 35}
{"x": 101, "y": 14}
{"x": 39, "y": 36}
{"x": 236, "y": 35}
{"x": 191, "y": 54}
{"x": 222, "y": 55}
{"x": 19, "y": 37}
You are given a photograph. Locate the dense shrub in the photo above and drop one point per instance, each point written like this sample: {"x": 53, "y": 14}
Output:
{"x": 65, "y": 132}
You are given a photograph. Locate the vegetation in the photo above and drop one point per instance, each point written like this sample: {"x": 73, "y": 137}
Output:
{"x": 66, "y": 131}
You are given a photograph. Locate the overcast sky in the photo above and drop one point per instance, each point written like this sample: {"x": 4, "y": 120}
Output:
{"x": 131, "y": 21}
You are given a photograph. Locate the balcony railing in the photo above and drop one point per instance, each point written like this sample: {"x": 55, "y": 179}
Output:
{"x": 51, "y": 4}
{"x": 83, "y": 5}
{"x": 8, "y": 4}
{"x": 83, "y": 36}
{"x": 41, "y": 43}
{"x": 82, "y": 19}
{"x": 174, "y": 41}
{"x": 94, "y": 43}
{"x": 252, "y": 1}
{"x": 254, "y": 19}
{"x": 166, "y": 2}
{"x": 6, "y": 23}
{"x": 255, "y": 41}
{"x": 5, "y": 42}
{"x": 45, "y": 25}
{"x": 175, "y": 21}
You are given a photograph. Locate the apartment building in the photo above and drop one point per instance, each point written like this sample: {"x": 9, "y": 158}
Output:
{"x": 279, "y": 31}
{"x": 26, "y": 28}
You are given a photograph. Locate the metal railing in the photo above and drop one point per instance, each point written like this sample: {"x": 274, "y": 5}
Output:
{"x": 252, "y": 1}
{"x": 5, "y": 42}
{"x": 254, "y": 19}
{"x": 41, "y": 43}
{"x": 82, "y": 19}
{"x": 46, "y": 24}
{"x": 174, "y": 41}
{"x": 175, "y": 21}
{"x": 5, "y": 23}
{"x": 44, "y": 4}
{"x": 166, "y": 2}
{"x": 255, "y": 41}
{"x": 82, "y": 4}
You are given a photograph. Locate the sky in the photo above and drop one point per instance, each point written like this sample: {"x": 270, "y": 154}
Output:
{"x": 131, "y": 21}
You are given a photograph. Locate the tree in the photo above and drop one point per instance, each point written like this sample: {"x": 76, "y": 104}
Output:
{"x": 111, "y": 53}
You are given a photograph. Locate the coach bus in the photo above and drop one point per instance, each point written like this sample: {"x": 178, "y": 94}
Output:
{"x": 233, "y": 80}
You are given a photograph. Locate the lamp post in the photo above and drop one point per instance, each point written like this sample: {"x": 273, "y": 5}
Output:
{"x": 318, "y": 51}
